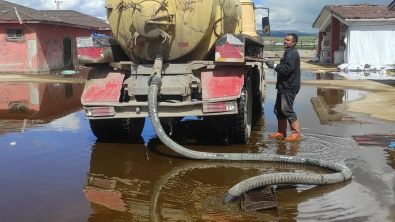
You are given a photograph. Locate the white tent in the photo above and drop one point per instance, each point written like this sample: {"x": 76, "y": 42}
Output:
{"x": 370, "y": 44}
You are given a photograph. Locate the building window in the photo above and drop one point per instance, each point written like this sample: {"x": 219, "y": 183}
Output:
{"x": 15, "y": 35}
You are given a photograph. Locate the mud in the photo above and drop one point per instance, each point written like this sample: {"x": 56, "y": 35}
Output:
{"x": 56, "y": 170}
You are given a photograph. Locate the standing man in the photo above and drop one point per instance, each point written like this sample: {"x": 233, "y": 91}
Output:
{"x": 288, "y": 85}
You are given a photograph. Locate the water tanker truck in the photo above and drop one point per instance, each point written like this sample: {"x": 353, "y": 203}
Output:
{"x": 205, "y": 57}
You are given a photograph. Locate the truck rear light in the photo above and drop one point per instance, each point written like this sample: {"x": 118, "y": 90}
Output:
{"x": 219, "y": 107}
{"x": 100, "y": 111}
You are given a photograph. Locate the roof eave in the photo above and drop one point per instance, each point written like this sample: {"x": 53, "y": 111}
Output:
{"x": 391, "y": 6}
{"x": 17, "y": 21}
{"x": 315, "y": 24}
{"x": 72, "y": 25}
{"x": 323, "y": 20}
{"x": 54, "y": 23}
{"x": 369, "y": 22}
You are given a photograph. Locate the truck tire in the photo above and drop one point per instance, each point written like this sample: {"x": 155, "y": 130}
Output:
{"x": 117, "y": 129}
{"x": 258, "y": 104}
{"x": 214, "y": 130}
{"x": 259, "y": 100}
{"x": 242, "y": 122}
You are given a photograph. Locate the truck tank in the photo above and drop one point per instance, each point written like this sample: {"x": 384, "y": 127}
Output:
{"x": 173, "y": 28}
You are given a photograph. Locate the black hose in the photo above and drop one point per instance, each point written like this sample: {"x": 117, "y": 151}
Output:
{"x": 343, "y": 173}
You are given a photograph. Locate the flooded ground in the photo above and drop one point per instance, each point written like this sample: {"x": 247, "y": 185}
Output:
{"x": 52, "y": 168}
{"x": 338, "y": 75}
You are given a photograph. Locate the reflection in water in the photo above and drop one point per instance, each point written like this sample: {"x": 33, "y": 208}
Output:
{"x": 372, "y": 75}
{"x": 271, "y": 75}
{"x": 70, "y": 122}
{"x": 391, "y": 157}
{"x": 48, "y": 176}
{"x": 332, "y": 75}
{"x": 26, "y": 104}
{"x": 327, "y": 99}
{"x": 131, "y": 182}
{"x": 283, "y": 149}
{"x": 18, "y": 107}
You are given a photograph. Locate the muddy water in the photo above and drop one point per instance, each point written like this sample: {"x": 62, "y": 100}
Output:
{"x": 338, "y": 75}
{"x": 271, "y": 75}
{"x": 56, "y": 171}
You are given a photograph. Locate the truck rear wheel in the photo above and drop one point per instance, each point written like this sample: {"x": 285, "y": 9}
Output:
{"x": 258, "y": 104}
{"x": 259, "y": 99}
{"x": 214, "y": 130}
{"x": 117, "y": 129}
{"x": 242, "y": 122}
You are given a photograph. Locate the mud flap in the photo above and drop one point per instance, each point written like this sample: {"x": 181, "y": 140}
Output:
{"x": 222, "y": 83}
{"x": 104, "y": 87}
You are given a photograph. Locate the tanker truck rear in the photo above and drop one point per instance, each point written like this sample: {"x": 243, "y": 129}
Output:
{"x": 206, "y": 53}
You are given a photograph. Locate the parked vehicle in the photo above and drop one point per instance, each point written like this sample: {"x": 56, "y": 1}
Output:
{"x": 207, "y": 54}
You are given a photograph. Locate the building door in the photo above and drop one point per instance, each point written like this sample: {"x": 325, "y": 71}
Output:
{"x": 67, "y": 52}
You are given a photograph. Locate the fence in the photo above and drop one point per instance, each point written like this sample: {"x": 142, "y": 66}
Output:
{"x": 301, "y": 45}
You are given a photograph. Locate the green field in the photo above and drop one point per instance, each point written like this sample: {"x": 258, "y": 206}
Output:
{"x": 305, "y": 42}
{"x": 281, "y": 39}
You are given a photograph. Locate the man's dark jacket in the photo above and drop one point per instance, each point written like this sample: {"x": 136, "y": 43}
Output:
{"x": 288, "y": 72}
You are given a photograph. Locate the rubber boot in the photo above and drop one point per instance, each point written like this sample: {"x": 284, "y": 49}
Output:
{"x": 295, "y": 131}
{"x": 282, "y": 129}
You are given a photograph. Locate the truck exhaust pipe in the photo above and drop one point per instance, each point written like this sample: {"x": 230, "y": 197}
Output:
{"x": 342, "y": 172}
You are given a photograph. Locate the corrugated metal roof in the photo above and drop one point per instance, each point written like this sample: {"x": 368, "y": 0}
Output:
{"x": 66, "y": 17}
{"x": 364, "y": 11}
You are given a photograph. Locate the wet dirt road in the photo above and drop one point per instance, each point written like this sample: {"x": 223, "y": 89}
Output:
{"x": 56, "y": 171}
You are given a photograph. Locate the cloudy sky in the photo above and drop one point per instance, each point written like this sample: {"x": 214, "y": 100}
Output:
{"x": 284, "y": 15}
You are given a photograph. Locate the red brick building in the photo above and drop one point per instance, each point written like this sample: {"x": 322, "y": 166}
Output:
{"x": 33, "y": 41}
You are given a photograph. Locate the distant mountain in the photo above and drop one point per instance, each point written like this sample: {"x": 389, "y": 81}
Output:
{"x": 283, "y": 33}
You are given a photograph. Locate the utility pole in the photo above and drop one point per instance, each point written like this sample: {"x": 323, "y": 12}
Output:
{"x": 58, "y": 4}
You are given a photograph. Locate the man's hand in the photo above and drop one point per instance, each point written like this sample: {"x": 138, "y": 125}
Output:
{"x": 271, "y": 64}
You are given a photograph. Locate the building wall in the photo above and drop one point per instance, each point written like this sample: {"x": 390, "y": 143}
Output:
{"x": 14, "y": 55}
{"x": 50, "y": 44}
{"x": 41, "y": 49}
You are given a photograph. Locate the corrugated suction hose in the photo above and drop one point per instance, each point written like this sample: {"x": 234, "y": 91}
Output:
{"x": 343, "y": 173}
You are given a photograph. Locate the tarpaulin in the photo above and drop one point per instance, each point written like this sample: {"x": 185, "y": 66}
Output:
{"x": 372, "y": 45}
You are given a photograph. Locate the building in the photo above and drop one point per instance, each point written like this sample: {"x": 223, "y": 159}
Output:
{"x": 356, "y": 34}
{"x": 391, "y": 6}
{"x": 33, "y": 41}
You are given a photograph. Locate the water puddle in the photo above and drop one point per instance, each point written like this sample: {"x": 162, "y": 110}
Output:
{"x": 327, "y": 99}
{"x": 57, "y": 171}
{"x": 271, "y": 75}
{"x": 28, "y": 104}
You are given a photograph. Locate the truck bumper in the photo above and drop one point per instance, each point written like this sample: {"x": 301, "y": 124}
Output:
{"x": 166, "y": 109}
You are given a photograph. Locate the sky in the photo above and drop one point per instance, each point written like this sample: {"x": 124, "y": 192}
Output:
{"x": 298, "y": 15}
